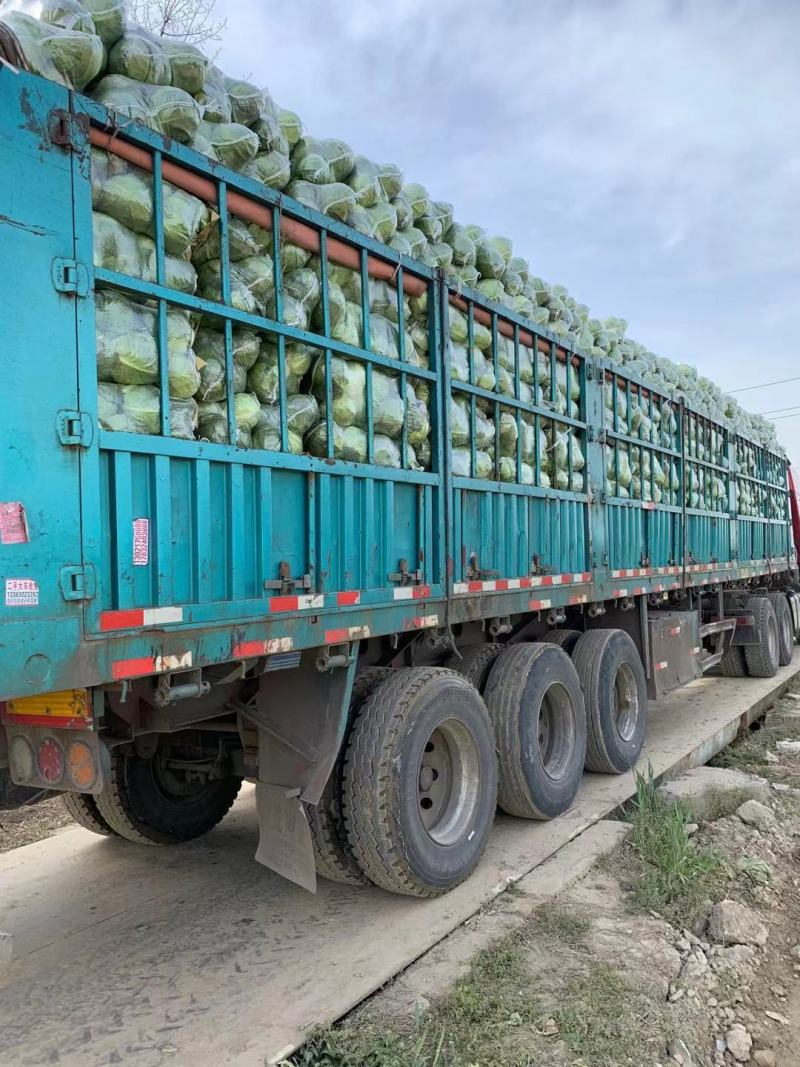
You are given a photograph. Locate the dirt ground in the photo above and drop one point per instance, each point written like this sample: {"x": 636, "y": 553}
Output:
{"x": 622, "y": 969}
{"x": 32, "y": 823}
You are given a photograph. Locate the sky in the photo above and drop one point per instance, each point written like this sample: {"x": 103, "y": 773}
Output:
{"x": 644, "y": 153}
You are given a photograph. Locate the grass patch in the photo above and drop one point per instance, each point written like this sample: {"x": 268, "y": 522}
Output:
{"x": 475, "y": 1023}
{"x": 557, "y": 923}
{"x": 604, "y": 1021}
{"x": 676, "y": 877}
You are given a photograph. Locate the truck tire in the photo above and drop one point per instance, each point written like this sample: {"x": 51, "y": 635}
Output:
{"x": 333, "y": 857}
{"x": 783, "y": 616}
{"x": 762, "y": 659}
{"x": 420, "y": 727}
{"x": 83, "y": 809}
{"x": 536, "y": 706}
{"x": 615, "y": 691}
{"x": 475, "y": 662}
{"x": 140, "y": 803}
{"x": 566, "y": 639}
{"x": 733, "y": 663}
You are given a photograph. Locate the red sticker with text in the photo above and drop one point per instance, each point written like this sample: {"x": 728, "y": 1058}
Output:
{"x": 141, "y": 542}
{"x": 13, "y": 524}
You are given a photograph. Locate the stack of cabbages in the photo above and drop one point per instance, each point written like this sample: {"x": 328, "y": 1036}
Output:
{"x": 172, "y": 88}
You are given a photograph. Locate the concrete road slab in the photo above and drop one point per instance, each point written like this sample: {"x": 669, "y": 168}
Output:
{"x": 197, "y": 955}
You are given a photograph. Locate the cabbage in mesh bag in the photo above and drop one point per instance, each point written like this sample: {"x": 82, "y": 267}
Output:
{"x": 242, "y": 242}
{"x": 263, "y": 378}
{"x": 246, "y": 100}
{"x": 136, "y": 409}
{"x": 334, "y": 198}
{"x": 127, "y": 349}
{"x": 68, "y": 57}
{"x": 213, "y": 98}
{"x": 322, "y": 161}
{"x": 108, "y": 17}
{"x": 119, "y": 249}
{"x": 188, "y": 65}
{"x": 302, "y": 413}
{"x": 246, "y": 345}
{"x": 269, "y": 168}
{"x": 140, "y": 56}
{"x": 233, "y": 144}
{"x": 163, "y": 108}
{"x": 364, "y": 180}
{"x": 66, "y": 14}
{"x": 125, "y": 192}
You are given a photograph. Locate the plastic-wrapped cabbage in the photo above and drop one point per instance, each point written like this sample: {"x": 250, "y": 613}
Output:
{"x": 66, "y": 56}
{"x": 140, "y": 56}
{"x": 66, "y": 14}
{"x": 126, "y": 193}
{"x": 137, "y": 409}
{"x": 463, "y": 246}
{"x": 379, "y": 222}
{"x": 302, "y": 413}
{"x": 246, "y": 100}
{"x": 461, "y": 462}
{"x": 348, "y": 389}
{"x": 391, "y": 179}
{"x": 213, "y": 98}
{"x": 492, "y": 289}
{"x": 246, "y": 345}
{"x": 291, "y": 125}
{"x": 349, "y": 442}
{"x": 241, "y": 242}
{"x": 489, "y": 259}
{"x": 268, "y": 126}
{"x": 263, "y": 377}
{"x": 188, "y": 65}
{"x": 402, "y": 208}
{"x": 418, "y": 198}
{"x": 269, "y": 168}
{"x": 108, "y": 17}
{"x": 234, "y": 145}
{"x": 322, "y": 161}
{"x": 333, "y": 198}
{"x": 212, "y": 422}
{"x": 163, "y": 108}
{"x": 119, "y": 249}
{"x": 364, "y": 180}
{"x": 384, "y": 339}
{"x": 252, "y": 281}
{"x": 247, "y": 411}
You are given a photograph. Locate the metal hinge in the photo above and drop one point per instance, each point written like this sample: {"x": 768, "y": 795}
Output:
{"x": 67, "y": 130}
{"x": 77, "y": 583}
{"x": 74, "y": 428}
{"x": 404, "y": 576}
{"x": 69, "y": 276}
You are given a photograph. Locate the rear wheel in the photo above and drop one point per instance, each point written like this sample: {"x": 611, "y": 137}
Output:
{"x": 783, "y": 617}
{"x": 762, "y": 659}
{"x": 333, "y": 857}
{"x": 420, "y": 782}
{"x": 475, "y": 662}
{"x": 615, "y": 690}
{"x": 153, "y": 802}
{"x": 566, "y": 639}
{"x": 83, "y": 809}
{"x": 733, "y": 663}
{"x": 536, "y": 705}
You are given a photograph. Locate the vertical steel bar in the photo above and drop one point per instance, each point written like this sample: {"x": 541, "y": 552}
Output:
{"x": 280, "y": 341}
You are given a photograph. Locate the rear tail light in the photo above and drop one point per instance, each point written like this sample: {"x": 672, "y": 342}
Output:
{"x": 81, "y": 765}
{"x": 50, "y": 761}
{"x": 21, "y": 758}
{"x": 76, "y": 760}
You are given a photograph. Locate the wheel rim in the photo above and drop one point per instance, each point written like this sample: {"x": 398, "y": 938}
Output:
{"x": 175, "y": 787}
{"x": 786, "y": 627}
{"x": 556, "y": 731}
{"x": 448, "y": 782}
{"x": 626, "y": 702}
{"x": 772, "y": 639}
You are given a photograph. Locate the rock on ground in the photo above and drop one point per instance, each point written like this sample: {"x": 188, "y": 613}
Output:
{"x": 734, "y": 924}
{"x": 754, "y": 813}
{"x": 739, "y": 1043}
{"x": 709, "y": 792}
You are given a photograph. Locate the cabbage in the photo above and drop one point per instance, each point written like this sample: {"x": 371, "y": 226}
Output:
{"x": 118, "y": 249}
{"x": 245, "y": 99}
{"x": 269, "y": 168}
{"x": 137, "y": 409}
{"x": 162, "y": 107}
{"x": 233, "y": 144}
{"x": 67, "y": 56}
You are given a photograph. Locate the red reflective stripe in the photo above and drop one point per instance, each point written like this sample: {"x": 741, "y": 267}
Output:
{"x": 283, "y": 603}
{"x": 336, "y": 636}
{"x": 121, "y": 620}
{"x": 421, "y": 592}
{"x": 130, "y": 668}
{"x": 249, "y": 648}
{"x": 474, "y": 587}
{"x": 49, "y": 722}
{"x": 347, "y": 598}
{"x": 547, "y": 579}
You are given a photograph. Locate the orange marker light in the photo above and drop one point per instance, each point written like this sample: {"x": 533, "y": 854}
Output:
{"x": 80, "y": 765}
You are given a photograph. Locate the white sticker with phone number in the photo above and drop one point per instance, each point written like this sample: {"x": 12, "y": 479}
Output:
{"x": 21, "y": 593}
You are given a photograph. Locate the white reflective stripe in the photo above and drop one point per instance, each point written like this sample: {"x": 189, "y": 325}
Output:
{"x": 427, "y": 620}
{"x": 513, "y": 583}
{"x": 152, "y": 616}
{"x": 696, "y": 650}
{"x": 489, "y": 587}
{"x": 460, "y": 587}
{"x": 557, "y": 578}
{"x": 661, "y": 666}
{"x": 310, "y": 602}
{"x": 406, "y": 593}
{"x": 173, "y": 663}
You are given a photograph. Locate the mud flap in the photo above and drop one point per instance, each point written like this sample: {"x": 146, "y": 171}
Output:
{"x": 284, "y": 843}
{"x": 300, "y": 718}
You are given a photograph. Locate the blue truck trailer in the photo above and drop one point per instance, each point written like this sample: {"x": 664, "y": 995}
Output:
{"x": 387, "y": 650}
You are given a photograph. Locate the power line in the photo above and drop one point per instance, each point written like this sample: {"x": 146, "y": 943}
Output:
{"x": 764, "y": 385}
{"x": 779, "y": 417}
{"x": 774, "y": 411}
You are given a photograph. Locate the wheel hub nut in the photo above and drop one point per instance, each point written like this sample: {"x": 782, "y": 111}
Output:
{"x": 425, "y": 779}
